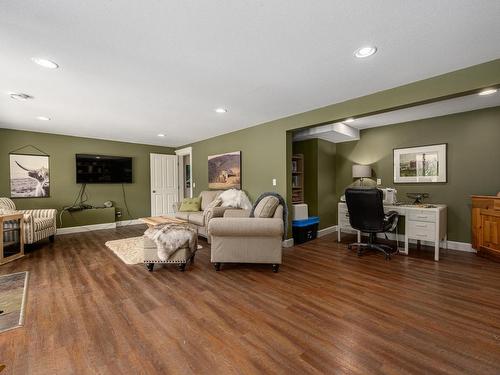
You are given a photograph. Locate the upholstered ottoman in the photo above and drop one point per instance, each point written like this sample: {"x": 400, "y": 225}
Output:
{"x": 180, "y": 257}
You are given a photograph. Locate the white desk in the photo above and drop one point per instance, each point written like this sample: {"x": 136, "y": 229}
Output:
{"x": 423, "y": 224}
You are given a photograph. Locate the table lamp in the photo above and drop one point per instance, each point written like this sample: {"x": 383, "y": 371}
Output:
{"x": 361, "y": 171}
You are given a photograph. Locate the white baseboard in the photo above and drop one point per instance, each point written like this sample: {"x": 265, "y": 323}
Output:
{"x": 327, "y": 230}
{"x": 92, "y": 227}
{"x": 288, "y": 242}
{"x": 86, "y": 228}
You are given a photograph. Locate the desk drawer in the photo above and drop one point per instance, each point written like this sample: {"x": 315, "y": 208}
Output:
{"x": 422, "y": 216}
{"x": 421, "y": 230}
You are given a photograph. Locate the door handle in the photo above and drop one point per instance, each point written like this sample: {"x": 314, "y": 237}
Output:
{"x": 154, "y": 191}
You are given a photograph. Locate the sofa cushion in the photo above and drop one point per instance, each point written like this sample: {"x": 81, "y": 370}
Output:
{"x": 190, "y": 204}
{"x": 43, "y": 223}
{"x": 207, "y": 196}
{"x": 183, "y": 215}
{"x": 197, "y": 218}
{"x": 266, "y": 207}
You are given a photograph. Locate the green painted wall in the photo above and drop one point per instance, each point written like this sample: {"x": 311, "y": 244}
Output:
{"x": 473, "y": 160}
{"x": 264, "y": 147}
{"x": 63, "y": 187}
{"x": 319, "y": 179}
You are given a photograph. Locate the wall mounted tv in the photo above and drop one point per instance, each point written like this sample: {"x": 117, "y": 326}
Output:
{"x": 103, "y": 169}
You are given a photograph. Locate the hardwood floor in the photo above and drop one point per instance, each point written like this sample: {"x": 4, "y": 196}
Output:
{"x": 326, "y": 312}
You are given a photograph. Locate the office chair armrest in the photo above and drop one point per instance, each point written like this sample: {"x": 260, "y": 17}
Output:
{"x": 391, "y": 216}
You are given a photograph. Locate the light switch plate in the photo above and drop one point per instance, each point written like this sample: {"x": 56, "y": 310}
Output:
{"x": 379, "y": 181}
{"x": 274, "y": 182}
{"x": 194, "y": 184}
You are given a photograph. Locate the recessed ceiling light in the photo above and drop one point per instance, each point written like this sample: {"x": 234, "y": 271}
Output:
{"x": 161, "y": 135}
{"x": 365, "y": 51}
{"x": 488, "y": 92}
{"x": 350, "y": 119}
{"x": 43, "y": 118}
{"x": 20, "y": 96}
{"x": 221, "y": 110}
{"x": 45, "y": 63}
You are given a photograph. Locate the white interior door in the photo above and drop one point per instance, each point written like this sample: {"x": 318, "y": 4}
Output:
{"x": 164, "y": 183}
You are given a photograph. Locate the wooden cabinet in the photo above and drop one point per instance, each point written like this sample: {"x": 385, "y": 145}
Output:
{"x": 486, "y": 226}
{"x": 11, "y": 237}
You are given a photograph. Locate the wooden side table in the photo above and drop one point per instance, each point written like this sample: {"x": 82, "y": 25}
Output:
{"x": 11, "y": 237}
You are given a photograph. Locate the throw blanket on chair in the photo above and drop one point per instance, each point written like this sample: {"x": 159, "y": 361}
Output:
{"x": 171, "y": 237}
{"x": 281, "y": 202}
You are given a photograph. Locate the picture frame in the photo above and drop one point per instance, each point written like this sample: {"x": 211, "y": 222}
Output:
{"x": 29, "y": 175}
{"x": 420, "y": 164}
{"x": 224, "y": 171}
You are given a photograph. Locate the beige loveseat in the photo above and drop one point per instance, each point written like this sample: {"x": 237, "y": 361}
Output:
{"x": 201, "y": 218}
{"x": 238, "y": 238}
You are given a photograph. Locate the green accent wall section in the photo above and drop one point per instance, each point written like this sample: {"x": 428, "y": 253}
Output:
{"x": 63, "y": 186}
{"x": 472, "y": 165}
{"x": 319, "y": 179}
{"x": 265, "y": 147}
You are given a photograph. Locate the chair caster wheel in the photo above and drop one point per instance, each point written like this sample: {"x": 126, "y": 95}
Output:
{"x": 217, "y": 266}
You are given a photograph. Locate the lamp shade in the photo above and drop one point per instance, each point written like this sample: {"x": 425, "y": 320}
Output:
{"x": 360, "y": 171}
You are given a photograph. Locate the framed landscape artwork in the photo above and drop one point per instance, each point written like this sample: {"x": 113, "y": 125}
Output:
{"x": 224, "y": 171}
{"x": 29, "y": 176}
{"x": 422, "y": 164}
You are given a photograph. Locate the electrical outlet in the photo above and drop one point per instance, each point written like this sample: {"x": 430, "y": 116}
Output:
{"x": 274, "y": 182}
{"x": 379, "y": 181}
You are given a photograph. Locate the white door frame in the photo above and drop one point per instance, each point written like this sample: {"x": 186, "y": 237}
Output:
{"x": 181, "y": 153}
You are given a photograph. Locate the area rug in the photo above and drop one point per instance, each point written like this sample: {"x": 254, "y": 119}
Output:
{"x": 13, "y": 288}
{"x": 129, "y": 250}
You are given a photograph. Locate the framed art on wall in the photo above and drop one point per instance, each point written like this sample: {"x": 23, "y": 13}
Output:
{"x": 224, "y": 171}
{"x": 29, "y": 176}
{"x": 423, "y": 164}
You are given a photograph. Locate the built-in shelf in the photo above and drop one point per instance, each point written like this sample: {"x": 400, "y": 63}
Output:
{"x": 297, "y": 178}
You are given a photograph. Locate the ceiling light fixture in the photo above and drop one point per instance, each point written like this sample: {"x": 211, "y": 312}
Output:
{"x": 350, "y": 119}
{"x": 45, "y": 63}
{"x": 221, "y": 110}
{"x": 20, "y": 96}
{"x": 363, "y": 52}
{"x": 161, "y": 135}
{"x": 488, "y": 92}
{"x": 43, "y": 118}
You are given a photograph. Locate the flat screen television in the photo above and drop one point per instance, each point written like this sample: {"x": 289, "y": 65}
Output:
{"x": 103, "y": 169}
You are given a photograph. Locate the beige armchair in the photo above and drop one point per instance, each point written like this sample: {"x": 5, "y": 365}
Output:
{"x": 38, "y": 224}
{"x": 238, "y": 238}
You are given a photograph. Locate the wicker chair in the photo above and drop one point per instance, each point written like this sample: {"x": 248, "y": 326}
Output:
{"x": 38, "y": 224}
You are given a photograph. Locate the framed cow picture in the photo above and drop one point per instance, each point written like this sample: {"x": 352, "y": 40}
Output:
{"x": 29, "y": 176}
{"x": 224, "y": 171}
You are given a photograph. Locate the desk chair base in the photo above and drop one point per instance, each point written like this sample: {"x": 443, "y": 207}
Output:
{"x": 371, "y": 244}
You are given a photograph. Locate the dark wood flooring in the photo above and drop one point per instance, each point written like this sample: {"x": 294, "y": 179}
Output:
{"x": 326, "y": 312}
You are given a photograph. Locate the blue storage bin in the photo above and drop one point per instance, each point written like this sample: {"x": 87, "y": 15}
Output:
{"x": 305, "y": 230}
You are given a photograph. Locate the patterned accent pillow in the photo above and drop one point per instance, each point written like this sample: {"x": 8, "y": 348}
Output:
{"x": 266, "y": 207}
{"x": 190, "y": 205}
{"x": 215, "y": 203}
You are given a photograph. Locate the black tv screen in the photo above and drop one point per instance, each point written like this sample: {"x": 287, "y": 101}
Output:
{"x": 103, "y": 169}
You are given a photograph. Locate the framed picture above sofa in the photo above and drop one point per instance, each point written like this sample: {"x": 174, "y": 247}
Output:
{"x": 423, "y": 164}
{"x": 224, "y": 171}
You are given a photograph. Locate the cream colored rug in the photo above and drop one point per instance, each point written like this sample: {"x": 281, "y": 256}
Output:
{"x": 13, "y": 290}
{"x": 129, "y": 250}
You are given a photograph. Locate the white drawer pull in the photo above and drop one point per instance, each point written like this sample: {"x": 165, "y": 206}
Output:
{"x": 421, "y": 225}
{"x": 421, "y": 235}
{"x": 422, "y": 216}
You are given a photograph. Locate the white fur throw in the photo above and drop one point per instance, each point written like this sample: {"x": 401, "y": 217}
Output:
{"x": 171, "y": 237}
{"x": 235, "y": 198}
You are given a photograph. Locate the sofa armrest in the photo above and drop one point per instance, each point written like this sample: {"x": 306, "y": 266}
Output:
{"x": 245, "y": 227}
{"x": 236, "y": 212}
{"x": 214, "y": 212}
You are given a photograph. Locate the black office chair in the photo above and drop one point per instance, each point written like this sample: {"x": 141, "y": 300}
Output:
{"x": 366, "y": 214}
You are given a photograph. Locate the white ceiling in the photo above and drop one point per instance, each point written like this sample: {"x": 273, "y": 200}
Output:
{"x": 330, "y": 132}
{"x": 133, "y": 69}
